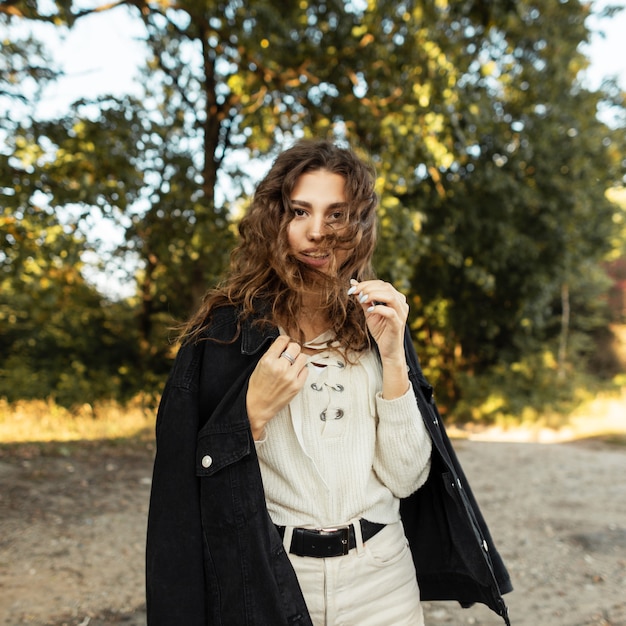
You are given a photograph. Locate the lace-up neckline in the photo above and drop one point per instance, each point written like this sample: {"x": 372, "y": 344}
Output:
{"x": 325, "y": 351}
{"x": 326, "y": 367}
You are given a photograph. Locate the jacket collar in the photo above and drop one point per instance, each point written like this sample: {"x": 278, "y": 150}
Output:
{"x": 254, "y": 336}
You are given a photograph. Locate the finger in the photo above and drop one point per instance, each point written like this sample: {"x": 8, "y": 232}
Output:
{"x": 399, "y": 305}
{"x": 291, "y": 352}
{"x": 278, "y": 346}
{"x": 379, "y": 294}
{"x": 356, "y": 287}
{"x": 387, "y": 304}
{"x": 300, "y": 366}
{"x": 396, "y": 301}
{"x": 383, "y": 310}
{"x": 361, "y": 290}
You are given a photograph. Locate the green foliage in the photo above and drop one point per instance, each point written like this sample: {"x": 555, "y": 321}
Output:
{"x": 531, "y": 393}
{"x": 65, "y": 343}
{"x": 522, "y": 211}
{"x": 528, "y": 391}
{"x": 493, "y": 170}
{"x": 59, "y": 337}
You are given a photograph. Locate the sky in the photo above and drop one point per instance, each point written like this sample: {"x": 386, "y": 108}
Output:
{"x": 608, "y": 54}
{"x": 100, "y": 55}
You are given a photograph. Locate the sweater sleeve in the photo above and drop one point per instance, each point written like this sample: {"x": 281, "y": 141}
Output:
{"x": 403, "y": 445}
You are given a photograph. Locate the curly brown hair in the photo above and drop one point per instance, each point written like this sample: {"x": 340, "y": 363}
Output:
{"x": 265, "y": 281}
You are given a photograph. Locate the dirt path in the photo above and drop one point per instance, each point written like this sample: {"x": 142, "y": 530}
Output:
{"x": 72, "y": 527}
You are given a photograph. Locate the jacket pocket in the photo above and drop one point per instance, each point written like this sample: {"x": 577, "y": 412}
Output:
{"x": 230, "y": 480}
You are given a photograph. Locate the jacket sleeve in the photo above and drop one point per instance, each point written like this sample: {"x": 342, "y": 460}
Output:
{"x": 174, "y": 549}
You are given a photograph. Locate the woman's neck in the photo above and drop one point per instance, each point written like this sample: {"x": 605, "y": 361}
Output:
{"x": 312, "y": 320}
{"x": 312, "y": 326}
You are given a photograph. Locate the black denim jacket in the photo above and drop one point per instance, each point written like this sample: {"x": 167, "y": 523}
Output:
{"x": 213, "y": 556}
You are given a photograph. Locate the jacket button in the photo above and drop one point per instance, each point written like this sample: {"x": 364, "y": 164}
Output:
{"x": 206, "y": 461}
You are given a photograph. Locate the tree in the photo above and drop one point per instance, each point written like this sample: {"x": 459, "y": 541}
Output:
{"x": 484, "y": 139}
{"x": 524, "y": 214}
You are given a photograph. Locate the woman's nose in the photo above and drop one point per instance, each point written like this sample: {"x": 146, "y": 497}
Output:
{"x": 316, "y": 229}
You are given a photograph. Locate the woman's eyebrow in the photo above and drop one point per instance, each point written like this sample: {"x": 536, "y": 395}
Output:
{"x": 308, "y": 205}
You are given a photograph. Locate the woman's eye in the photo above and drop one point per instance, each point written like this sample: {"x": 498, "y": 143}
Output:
{"x": 337, "y": 216}
{"x": 299, "y": 212}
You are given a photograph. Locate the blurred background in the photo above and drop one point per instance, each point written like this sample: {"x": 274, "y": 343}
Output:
{"x": 132, "y": 135}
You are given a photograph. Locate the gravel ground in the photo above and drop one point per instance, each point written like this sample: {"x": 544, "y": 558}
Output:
{"x": 72, "y": 528}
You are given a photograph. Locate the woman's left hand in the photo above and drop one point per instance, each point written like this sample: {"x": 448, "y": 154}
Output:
{"x": 386, "y": 311}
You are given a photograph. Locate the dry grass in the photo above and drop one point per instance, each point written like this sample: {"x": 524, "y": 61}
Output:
{"x": 603, "y": 416}
{"x": 44, "y": 420}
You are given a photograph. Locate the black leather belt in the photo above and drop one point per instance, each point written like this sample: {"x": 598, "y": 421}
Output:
{"x": 330, "y": 541}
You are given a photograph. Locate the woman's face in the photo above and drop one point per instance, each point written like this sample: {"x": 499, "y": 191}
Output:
{"x": 320, "y": 208}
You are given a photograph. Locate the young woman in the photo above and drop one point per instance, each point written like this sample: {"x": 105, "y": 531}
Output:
{"x": 302, "y": 473}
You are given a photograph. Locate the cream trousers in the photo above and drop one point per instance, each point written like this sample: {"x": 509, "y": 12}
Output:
{"x": 373, "y": 585}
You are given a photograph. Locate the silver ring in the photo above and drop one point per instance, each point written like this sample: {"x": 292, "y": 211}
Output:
{"x": 288, "y": 357}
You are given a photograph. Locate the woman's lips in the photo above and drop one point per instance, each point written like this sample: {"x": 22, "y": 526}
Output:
{"x": 315, "y": 259}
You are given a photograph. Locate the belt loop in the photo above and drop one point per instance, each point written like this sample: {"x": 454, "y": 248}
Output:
{"x": 358, "y": 536}
{"x": 287, "y": 537}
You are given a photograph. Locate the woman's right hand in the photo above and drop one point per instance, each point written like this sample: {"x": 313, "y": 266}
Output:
{"x": 274, "y": 382}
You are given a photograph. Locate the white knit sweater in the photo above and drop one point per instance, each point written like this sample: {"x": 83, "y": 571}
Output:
{"x": 339, "y": 451}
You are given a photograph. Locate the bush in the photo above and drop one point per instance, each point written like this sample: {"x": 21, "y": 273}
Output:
{"x": 531, "y": 391}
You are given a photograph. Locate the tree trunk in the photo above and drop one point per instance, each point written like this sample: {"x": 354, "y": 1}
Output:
{"x": 565, "y": 319}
